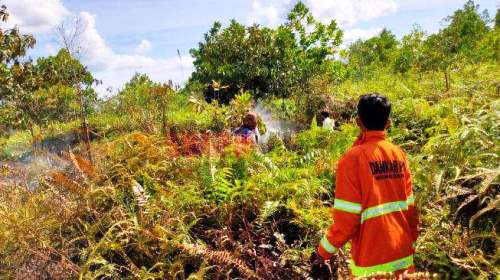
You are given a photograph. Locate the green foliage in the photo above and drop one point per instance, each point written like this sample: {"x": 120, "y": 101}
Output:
{"x": 57, "y": 103}
{"x": 63, "y": 69}
{"x": 374, "y": 51}
{"x": 151, "y": 208}
{"x": 466, "y": 39}
{"x": 410, "y": 53}
{"x": 497, "y": 19}
{"x": 145, "y": 102}
{"x": 17, "y": 77}
{"x": 466, "y": 29}
{"x": 267, "y": 62}
{"x": 37, "y": 94}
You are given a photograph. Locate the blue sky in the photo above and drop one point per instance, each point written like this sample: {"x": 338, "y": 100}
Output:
{"x": 127, "y": 36}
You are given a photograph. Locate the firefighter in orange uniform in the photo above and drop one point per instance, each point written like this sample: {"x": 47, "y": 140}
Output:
{"x": 374, "y": 206}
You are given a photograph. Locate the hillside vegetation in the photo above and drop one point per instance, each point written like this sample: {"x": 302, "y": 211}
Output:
{"x": 150, "y": 184}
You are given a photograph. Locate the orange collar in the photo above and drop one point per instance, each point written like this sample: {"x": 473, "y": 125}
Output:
{"x": 370, "y": 136}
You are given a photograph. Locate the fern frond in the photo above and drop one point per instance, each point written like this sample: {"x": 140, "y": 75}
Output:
{"x": 222, "y": 258}
{"x": 266, "y": 211}
{"x": 83, "y": 167}
{"x": 311, "y": 157}
{"x": 207, "y": 172}
{"x": 62, "y": 180}
{"x": 221, "y": 185}
{"x": 140, "y": 194}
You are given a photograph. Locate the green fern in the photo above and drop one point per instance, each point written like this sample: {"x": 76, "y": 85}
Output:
{"x": 221, "y": 185}
{"x": 267, "y": 209}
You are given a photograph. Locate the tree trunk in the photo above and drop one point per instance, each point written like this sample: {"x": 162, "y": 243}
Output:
{"x": 83, "y": 119}
{"x": 163, "y": 121}
{"x": 32, "y": 131}
{"x": 447, "y": 80}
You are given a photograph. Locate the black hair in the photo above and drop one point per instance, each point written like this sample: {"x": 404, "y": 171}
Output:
{"x": 325, "y": 114}
{"x": 374, "y": 110}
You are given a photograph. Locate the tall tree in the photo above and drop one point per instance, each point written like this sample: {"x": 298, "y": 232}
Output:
{"x": 267, "y": 62}
{"x": 64, "y": 69}
{"x": 145, "y": 101}
{"x": 66, "y": 89}
{"x": 457, "y": 43}
{"x": 437, "y": 57}
{"x": 467, "y": 27}
{"x": 497, "y": 19}
{"x": 17, "y": 77}
{"x": 410, "y": 51}
{"x": 378, "y": 50}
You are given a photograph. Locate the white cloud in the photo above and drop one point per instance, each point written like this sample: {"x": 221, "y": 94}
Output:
{"x": 345, "y": 12}
{"x": 175, "y": 69}
{"x": 35, "y": 16}
{"x": 265, "y": 15}
{"x": 351, "y": 35}
{"x": 144, "y": 46}
{"x": 41, "y": 16}
{"x": 421, "y": 5}
{"x": 115, "y": 69}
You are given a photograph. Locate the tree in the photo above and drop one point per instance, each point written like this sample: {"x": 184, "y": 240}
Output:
{"x": 145, "y": 101}
{"x": 264, "y": 61}
{"x": 466, "y": 30}
{"x": 56, "y": 103}
{"x": 378, "y": 50}
{"x": 410, "y": 51}
{"x": 458, "y": 42}
{"x": 30, "y": 93}
{"x": 69, "y": 35}
{"x": 497, "y": 19}
{"x": 62, "y": 82}
{"x": 17, "y": 78}
{"x": 63, "y": 69}
{"x": 437, "y": 56}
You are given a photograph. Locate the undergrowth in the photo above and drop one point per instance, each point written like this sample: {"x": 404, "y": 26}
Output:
{"x": 185, "y": 203}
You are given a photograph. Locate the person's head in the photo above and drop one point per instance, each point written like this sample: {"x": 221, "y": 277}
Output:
{"x": 373, "y": 112}
{"x": 250, "y": 120}
{"x": 324, "y": 114}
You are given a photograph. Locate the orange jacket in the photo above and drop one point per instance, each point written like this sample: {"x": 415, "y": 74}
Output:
{"x": 374, "y": 208}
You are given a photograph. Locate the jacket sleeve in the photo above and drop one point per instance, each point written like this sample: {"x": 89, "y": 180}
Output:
{"x": 412, "y": 213}
{"x": 346, "y": 209}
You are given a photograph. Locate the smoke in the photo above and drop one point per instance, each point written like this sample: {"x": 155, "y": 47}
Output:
{"x": 37, "y": 162}
{"x": 280, "y": 127}
{"x": 30, "y": 170}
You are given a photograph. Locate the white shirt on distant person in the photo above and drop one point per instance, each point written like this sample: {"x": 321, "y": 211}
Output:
{"x": 328, "y": 123}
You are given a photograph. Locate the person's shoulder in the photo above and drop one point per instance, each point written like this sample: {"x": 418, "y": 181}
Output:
{"x": 241, "y": 130}
{"x": 351, "y": 155}
{"x": 395, "y": 147}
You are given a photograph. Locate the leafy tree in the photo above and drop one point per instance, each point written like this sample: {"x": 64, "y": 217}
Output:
{"x": 497, "y": 19}
{"x": 63, "y": 69}
{"x": 34, "y": 95}
{"x": 67, "y": 83}
{"x": 437, "y": 56}
{"x": 55, "y": 103}
{"x": 410, "y": 51}
{"x": 145, "y": 101}
{"x": 458, "y": 42}
{"x": 378, "y": 50}
{"x": 466, "y": 29}
{"x": 267, "y": 62}
{"x": 17, "y": 77}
